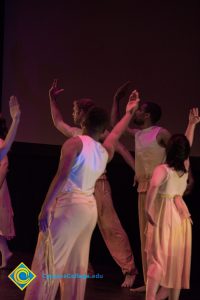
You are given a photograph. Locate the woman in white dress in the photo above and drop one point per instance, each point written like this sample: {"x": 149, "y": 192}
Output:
{"x": 168, "y": 242}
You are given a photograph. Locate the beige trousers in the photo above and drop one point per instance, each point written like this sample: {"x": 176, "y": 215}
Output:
{"x": 142, "y": 227}
{"x": 64, "y": 249}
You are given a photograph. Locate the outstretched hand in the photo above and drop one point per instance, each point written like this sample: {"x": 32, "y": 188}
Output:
{"x": 14, "y": 108}
{"x": 54, "y": 90}
{"x": 133, "y": 101}
{"x": 194, "y": 117}
{"x": 121, "y": 91}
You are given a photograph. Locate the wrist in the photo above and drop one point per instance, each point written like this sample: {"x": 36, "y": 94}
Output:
{"x": 16, "y": 119}
{"x": 52, "y": 97}
{"x": 191, "y": 124}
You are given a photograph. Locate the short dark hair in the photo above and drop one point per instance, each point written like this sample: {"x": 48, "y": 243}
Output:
{"x": 96, "y": 119}
{"x": 3, "y": 127}
{"x": 154, "y": 110}
{"x": 85, "y": 104}
{"x": 177, "y": 151}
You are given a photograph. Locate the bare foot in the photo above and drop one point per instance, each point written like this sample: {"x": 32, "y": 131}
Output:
{"x": 141, "y": 289}
{"x": 128, "y": 281}
{"x": 5, "y": 259}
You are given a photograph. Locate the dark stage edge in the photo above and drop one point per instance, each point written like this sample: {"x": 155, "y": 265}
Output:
{"x": 97, "y": 289}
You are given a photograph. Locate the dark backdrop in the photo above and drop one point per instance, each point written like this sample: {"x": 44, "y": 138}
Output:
{"x": 37, "y": 165}
{"x": 95, "y": 46}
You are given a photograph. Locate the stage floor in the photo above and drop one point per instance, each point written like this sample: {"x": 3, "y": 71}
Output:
{"x": 97, "y": 289}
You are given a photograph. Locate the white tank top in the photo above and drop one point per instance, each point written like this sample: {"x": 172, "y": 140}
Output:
{"x": 148, "y": 153}
{"x": 88, "y": 167}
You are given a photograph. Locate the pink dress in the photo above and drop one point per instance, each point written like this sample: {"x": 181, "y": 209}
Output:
{"x": 168, "y": 244}
{"x": 6, "y": 213}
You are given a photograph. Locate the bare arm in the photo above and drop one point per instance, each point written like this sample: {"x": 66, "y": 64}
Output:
{"x": 58, "y": 121}
{"x": 3, "y": 170}
{"x": 15, "y": 114}
{"x": 163, "y": 137}
{"x": 190, "y": 182}
{"x": 158, "y": 177}
{"x": 194, "y": 119}
{"x": 70, "y": 150}
{"x": 121, "y": 149}
{"x": 120, "y": 93}
{"x": 112, "y": 139}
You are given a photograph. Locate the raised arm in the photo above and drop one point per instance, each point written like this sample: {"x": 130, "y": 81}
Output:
{"x": 3, "y": 170}
{"x": 120, "y": 93}
{"x": 15, "y": 115}
{"x": 112, "y": 139}
{"x": 122, "y": 150}
{"x": 194, "y": 119}
{"x": 69, "y": 151}
{"x": 58, "y": 121}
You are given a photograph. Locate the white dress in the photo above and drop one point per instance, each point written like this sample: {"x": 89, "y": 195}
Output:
{"x": 168, "y": 244}
{"x": 64, "y": 248}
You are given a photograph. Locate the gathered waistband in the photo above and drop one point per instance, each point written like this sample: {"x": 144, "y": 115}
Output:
{"x": 74, "y": 197}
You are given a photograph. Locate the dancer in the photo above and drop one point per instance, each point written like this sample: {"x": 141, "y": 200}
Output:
{"x": 150, "y": 144}
{"x": 168, "y": 242}
{"x": 7, "y": 230}
{"x": 69, "y": 214}
{"x": 15, "y": 115}
{"x": 6, "y": 213}
{"x": 109, "y": 224}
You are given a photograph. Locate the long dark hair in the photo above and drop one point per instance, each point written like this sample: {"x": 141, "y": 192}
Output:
{"x": 178, "y": 150}
{"x": 3, "y": 127}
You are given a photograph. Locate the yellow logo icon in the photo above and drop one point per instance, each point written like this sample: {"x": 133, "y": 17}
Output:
{"x": 21, "y": 276}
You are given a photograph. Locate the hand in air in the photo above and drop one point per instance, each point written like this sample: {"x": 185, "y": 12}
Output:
{"x": 54, "y": 90}
{"x": 121, "y": 92}
{"x": 14, "y": 108}
{"x": 194, "y": 117}
{"x": 132, "y": 104}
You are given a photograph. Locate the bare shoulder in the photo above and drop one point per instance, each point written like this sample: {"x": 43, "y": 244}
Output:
{"x": 162, "y": 168}
{"x": 160, "y": 174}
{"x": 72, "y": 144}
{"x": 163, "y": 136}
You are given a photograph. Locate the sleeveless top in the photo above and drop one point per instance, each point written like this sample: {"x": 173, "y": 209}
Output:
{"x": 89, "y": 165}
{"x": 148, "y": 154}
{"x": 174, "y": 184}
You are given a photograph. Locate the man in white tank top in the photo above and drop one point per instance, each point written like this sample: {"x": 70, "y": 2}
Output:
{"x": 109, "y": 224}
